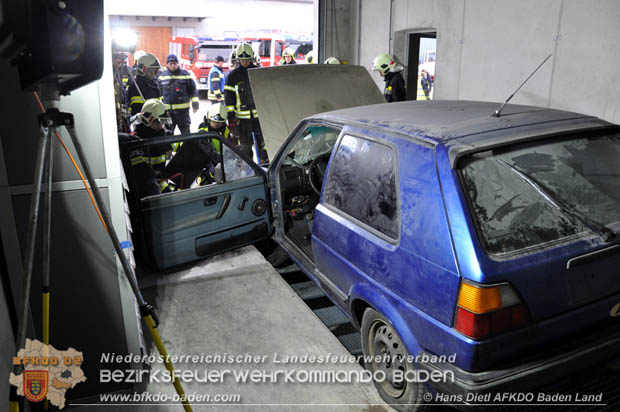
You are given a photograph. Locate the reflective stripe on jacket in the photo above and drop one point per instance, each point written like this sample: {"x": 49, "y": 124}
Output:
{"x": 216, "y": 143}
{"x": 178, "y": 89}
{"x": 238, "y": 93}
{"x": 149, "y": 89}
{"x": 421, "y": 93}
{"x": 216, "y": 84}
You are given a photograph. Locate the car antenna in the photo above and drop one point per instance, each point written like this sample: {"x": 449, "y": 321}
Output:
{"x": 498, "y": 112}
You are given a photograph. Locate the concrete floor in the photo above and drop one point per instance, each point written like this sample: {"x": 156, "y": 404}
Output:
{"x": 236, "y": 303}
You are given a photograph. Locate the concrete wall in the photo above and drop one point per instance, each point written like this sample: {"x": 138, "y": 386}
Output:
{"x": 486, "y": 48}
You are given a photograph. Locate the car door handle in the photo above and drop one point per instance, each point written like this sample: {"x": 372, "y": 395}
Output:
{"x": 243, "y": 202}
{"x": 224, "y": 206}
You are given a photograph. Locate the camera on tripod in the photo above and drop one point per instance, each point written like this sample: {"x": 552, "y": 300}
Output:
{"x": 58, "y": 42}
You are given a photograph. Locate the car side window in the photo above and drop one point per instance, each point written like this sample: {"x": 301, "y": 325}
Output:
{"x": 191, "y": 163}
{"x": 362, "y": 184}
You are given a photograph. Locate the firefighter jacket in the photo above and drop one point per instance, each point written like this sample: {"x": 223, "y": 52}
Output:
{"x": 154, "y": 156}
{"x": 238, "y": 94}
{"x": 178, "y": 91}
{"x": 149, "y": 89}
{"x": 394, "y": 87}
{"x": 192, "y": 158}
{"x": 216, "y": 84}
{"x": 222, "y": 131}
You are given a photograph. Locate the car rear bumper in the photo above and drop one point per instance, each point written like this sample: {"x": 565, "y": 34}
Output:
{"x": 533, "y": 375}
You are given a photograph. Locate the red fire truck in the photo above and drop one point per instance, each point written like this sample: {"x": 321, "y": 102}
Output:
{"x": 268, "y": 48}
{"x": 197, "y": 55}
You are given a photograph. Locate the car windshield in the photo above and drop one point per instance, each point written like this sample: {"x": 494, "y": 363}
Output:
{"x": 533, "y": 195}
{"x": 315, "y": 141}
{"x": 209, "y": 53}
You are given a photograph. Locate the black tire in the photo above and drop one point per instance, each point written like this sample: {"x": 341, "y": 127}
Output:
{"x": 379, "y": 338}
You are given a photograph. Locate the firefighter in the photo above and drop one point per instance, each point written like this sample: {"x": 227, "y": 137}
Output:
{"x": 178, "y": 91}
{"x": 149, "y": 163}
{"x": 194, "y": 162}
{"x": 424, "y": 86}
{"x": 240, "y": 104}
{"x": 288, "y": 57}
{"x": 391, "y": 72}
{"x": 144, "y": 87}
{"x": 216, "y": 81}
{"x": 121, "y": 76}
{"x": 215, "y": 121}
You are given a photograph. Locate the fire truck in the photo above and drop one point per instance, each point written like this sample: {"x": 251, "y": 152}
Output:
{"x": 197, "y": 55}
{"x": 268, "y": 48}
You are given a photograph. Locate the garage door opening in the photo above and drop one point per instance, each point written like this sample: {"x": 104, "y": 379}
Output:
{"x": 422, "y": 50}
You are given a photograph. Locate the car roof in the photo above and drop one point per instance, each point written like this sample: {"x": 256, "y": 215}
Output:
{"x": 465, "y": 126}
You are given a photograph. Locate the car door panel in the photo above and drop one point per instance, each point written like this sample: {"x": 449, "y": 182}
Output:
{"x": 201, "y": 222}
{"x": 185, "y": 225}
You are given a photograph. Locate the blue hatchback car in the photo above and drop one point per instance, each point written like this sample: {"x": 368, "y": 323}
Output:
{"x": 476, "y": 254}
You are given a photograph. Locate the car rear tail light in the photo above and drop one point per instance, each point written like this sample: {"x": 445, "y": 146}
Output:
{"x": 484, "y": 311}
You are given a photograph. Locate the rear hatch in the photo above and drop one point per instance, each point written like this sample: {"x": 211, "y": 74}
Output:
{"x": 547, "y": 214}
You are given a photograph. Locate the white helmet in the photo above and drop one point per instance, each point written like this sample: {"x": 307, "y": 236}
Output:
{"x": 145, "y": 62}
{"x": 383, "y": 63}
{"x": 153, "y": 109}
{"x": 332, "y": 60}
{"x": 244, "y": 51}
{"x": 288, "y": 52}
{"x": 217, "y": 112}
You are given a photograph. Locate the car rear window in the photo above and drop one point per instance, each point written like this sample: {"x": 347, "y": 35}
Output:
{"x": 362, "y": 184}
{"x": 531, "y": 195}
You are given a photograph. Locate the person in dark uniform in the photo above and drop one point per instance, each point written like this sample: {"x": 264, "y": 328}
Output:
{"x": 149, "y": 163}
{"x": 391, "y": 72}
{"x": 178, "y": 92}
{"x": 216, "y": 81}
{"x": 144, "y": 86}
{"x": 196, "y": 159}
{"x": 240, "y": 104}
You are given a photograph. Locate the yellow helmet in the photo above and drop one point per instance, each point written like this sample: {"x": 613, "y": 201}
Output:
{"x": 332, "y": 60}
{"x": 310, "y": 57}
{"x": 383, "y": 63}
{"x": 145, "y": 62}
{"x": 244, "y": 51}
{"x": 153, "y": 109}
{"x": 217, "y": 112}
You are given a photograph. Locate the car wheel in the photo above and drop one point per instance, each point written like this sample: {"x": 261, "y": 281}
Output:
{"x": 385, "y": 351}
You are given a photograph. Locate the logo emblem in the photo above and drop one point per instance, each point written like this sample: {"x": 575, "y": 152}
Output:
{"x": 35, "y": 385}
{"x": 615, "y": 311}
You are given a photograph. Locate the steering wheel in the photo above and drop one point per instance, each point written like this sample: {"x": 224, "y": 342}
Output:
{"x": 316, "y": 171}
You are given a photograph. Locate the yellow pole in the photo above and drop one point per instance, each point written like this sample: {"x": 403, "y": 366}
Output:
{"x": 150, "y": 323}
{"x": 46, "y": 329}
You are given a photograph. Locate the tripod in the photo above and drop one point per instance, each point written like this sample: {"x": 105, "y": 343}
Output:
{"x": 48, "y": 124}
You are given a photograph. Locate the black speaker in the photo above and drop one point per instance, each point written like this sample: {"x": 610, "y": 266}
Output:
{"x": 53, "y": 41}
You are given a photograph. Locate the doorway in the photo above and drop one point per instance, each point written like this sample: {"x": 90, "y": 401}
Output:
{"x": 422, "y": 51}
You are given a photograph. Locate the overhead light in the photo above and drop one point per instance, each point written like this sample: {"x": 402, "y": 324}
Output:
{"x": 124, "y": 40}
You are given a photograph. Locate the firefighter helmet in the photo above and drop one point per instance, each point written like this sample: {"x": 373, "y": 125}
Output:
{"x": 217, "y": 113}
{"x": 153, "y": 109}
{"x": 332, "y": 60}
{"x": 288, "y": 52}
{"x": 310, "y": 57}
{"x": 145, "y": 62}
{"x": 244, "y": 51}
{"x": 383, "y": 63}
